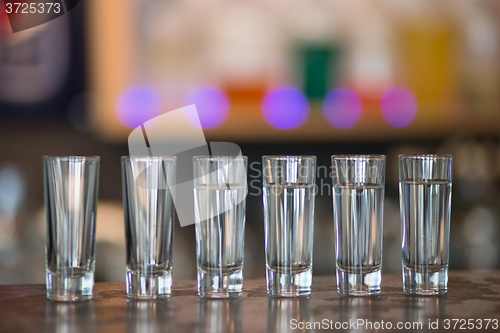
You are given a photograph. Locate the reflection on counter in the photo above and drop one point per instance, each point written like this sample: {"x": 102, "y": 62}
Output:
{"x": 76, "y": 317}
{"x": 149, "y": 316}
{"x": 424, "y": 309}
{"x": 220, "y": 315}
{"x": 284, "y": 312}
{"x": 350, "y": 309}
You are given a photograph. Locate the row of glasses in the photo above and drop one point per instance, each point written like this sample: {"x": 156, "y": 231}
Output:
{"x": 425, "y": 208}
{"x": 220, "y": 190}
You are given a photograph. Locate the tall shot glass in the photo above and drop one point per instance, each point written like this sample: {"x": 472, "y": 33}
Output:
{"x": 70, "y": 185}
{"x": 149, "y": 219}
{"x": 425, "y": 206}
{"x": 289, "y": 193}
{"x": 358, "y": 204}
{"x": 220, "y": 189}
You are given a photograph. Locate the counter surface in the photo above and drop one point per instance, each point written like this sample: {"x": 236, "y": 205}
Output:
{"x": 473, "y": 299}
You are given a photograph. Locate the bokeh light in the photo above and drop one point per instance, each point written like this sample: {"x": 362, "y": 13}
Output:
{"x": 399, "y": 107}
{"x": 286, "y": 108}
{"x": 212, "y": 106}
{"x": 136, "y": 106}
{"x": 341, "y": 108}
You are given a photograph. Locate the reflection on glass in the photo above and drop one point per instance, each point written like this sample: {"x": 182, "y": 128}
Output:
{"x": 284, "y": 314}
{"x": 72, "y": 317}
{"x": 149, "y": 316}
{"x": 219, "y": 315}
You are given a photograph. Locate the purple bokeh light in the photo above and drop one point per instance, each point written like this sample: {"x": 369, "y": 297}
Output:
{"x": 286, "y": 108}
{"x": 399, "y": 107}
{"x": 212, "y": 106}
{"x": 341, "y": 108}
{"x": 136, "y": 106}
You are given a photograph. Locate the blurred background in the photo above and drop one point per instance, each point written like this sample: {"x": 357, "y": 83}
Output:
{"x": 316, "y": 77}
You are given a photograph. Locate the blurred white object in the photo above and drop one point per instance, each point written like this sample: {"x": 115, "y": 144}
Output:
{"x": 12, "y": 195}
{"x": 480, "y": 231}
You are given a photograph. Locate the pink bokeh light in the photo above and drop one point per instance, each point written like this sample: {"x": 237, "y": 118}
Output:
{"x": 399, "y": 107}
{"x": 341, "y": 108}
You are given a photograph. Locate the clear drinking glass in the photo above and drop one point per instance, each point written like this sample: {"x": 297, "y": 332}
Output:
{"x": 70, "y": 186}
{"x": 358, "y": 205}
{"x": 425, "y": 206}
{"x": 149, "y": 221}
{"x": 289, "y": 192}
{"x": 220, "y": 189}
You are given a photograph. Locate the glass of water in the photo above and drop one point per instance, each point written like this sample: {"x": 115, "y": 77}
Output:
{"x": 149, "y": 220}
{"x": 358, "y": 205}
{"x": 220, "y": 189}
{"x": 425, "y": 206}
{"x": 289, "y": 192}
{"x": 70, "y": 185}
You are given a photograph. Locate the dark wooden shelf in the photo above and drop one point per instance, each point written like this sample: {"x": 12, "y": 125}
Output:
{"x": 471, "y": 295}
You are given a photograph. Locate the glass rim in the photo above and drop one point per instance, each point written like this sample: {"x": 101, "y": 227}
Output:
{"x": 425, "y": 156}
{"x": 288, "y": 157}
{"x": 146, "y": 158}
{"x": 359, "y": 157}
{"x": 70, "y": 158}
{"x": 216, "y": 158}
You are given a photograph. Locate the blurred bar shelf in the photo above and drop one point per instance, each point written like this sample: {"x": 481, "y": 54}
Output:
{"x": 471, "y": 295}
{"x": 250, "y": 126}
{"x": 247, "y": 124}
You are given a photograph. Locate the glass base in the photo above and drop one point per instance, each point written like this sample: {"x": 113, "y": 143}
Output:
{"x": 426, "y": 280}
{"x": 220, "y": 286}
{"x": 358, "y": 284}
{"x": 69, "y": 288}
{"x": 289, "y": 284}
{"x": 149, "y": 287}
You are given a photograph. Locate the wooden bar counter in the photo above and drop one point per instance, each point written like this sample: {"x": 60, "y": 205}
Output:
{"x": 472, "y": 303}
